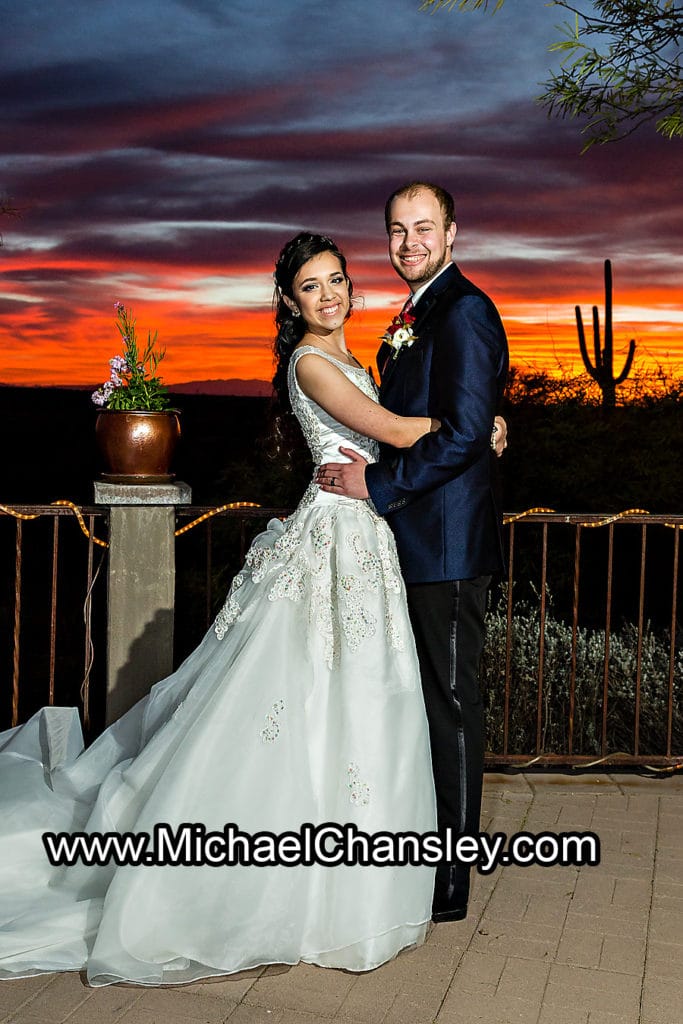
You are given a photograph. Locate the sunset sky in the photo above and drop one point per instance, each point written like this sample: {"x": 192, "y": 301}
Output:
{"x": 161, "y": 152}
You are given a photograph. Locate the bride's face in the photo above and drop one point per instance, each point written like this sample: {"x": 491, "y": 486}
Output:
{"x": 321, "y": 291}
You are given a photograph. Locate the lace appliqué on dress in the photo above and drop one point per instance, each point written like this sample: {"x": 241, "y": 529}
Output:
{"x": 359, "y": 791}
{"x": 271, "y": 729}
{"x": 306, "y": 559}
{"x": 313, "y": 419}
{"x": 322, "y": 606}
{"x": 231, "y": 610}
{"x": 379, "y": 571}
{"x": 343, "y": 605}
{"x": 291, "y": 583}
{"x": 308, "y": 421}
{"x": 261, "y": 556}
{"x": 357, "y": 621}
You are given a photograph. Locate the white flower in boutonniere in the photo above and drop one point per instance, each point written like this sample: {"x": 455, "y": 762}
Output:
{"x": 400, "y": 333}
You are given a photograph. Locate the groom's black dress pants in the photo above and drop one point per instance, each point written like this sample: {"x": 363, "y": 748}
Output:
{"x": 448, "y": 622}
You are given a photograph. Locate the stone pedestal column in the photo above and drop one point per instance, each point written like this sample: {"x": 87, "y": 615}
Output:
{"x": 140, "y": 587}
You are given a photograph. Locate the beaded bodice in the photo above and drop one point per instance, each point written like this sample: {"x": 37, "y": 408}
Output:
{"x": 323, "y": 433}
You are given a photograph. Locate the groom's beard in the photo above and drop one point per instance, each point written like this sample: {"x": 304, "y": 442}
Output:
{"x": 419, "y": 275}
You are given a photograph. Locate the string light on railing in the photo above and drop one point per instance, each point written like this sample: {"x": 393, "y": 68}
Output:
{"x": 615, "y": 518}
{"x": 64, "y": 503}
{"x": 515, "y": 517}
{"x": 215, "y": 512}
{"x": 19, "y": 515}
{"x": 81, "y": 522}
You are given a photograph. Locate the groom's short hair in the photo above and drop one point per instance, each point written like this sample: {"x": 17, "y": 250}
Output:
{"x": 444, "y": 199}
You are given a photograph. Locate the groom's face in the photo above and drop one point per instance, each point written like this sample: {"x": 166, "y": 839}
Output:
{"x": 419, "y": 242}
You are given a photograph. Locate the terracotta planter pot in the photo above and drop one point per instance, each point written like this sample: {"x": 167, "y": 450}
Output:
{"x": 137, "y": 447}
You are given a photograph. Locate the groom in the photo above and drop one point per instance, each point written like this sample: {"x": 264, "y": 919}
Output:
{"x": 438, "y": 496}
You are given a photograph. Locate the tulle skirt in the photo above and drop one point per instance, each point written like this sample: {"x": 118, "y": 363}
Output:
{"x": 300, "y": 707}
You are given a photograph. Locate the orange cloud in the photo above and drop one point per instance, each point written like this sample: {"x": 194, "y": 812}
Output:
{"x": 50, "y": 332}
{"x": 221, "y": 344}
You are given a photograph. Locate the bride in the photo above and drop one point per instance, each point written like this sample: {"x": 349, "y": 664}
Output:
{"x": 301, "y": 707}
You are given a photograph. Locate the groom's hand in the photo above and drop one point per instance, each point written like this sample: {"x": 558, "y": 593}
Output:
{"x": 347, "y": 478}
{"x": 499, "y": 437}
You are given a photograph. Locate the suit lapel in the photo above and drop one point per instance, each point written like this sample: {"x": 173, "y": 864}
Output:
{"x": 422, "y": 310}
{"x": 389, "y": 368}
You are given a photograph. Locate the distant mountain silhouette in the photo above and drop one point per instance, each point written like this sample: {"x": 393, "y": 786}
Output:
{"x": 232, "y": 386}
{"x": 50, "y": 449}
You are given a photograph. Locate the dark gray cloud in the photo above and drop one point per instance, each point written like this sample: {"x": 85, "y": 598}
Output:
{"x": 152, "y": 139}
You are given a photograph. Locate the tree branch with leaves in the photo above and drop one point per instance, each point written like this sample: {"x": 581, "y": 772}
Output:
{"x": 621, "y": 65}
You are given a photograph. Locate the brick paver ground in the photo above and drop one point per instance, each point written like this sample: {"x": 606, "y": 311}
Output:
{"x": 590, "y": 945}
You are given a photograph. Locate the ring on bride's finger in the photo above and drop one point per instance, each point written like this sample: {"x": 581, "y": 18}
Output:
{"x": 333, "y": 481}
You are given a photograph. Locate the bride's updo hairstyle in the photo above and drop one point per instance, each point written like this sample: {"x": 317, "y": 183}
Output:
{"x": 291, "y": 328}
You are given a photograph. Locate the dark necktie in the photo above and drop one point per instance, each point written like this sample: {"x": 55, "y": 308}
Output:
{"x": 407, "y": 307}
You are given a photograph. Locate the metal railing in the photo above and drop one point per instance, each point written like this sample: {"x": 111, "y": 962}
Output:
{"x": 618, "y": 592}
{"x": 48, "y": 618}
{"x": 584, "y": 657}
{"x": 607, "y": 582}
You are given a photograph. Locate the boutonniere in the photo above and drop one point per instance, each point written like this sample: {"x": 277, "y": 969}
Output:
{"x": 400, "y": 333}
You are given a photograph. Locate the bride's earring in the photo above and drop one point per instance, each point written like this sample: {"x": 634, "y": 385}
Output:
{"x": 291, "y": 306}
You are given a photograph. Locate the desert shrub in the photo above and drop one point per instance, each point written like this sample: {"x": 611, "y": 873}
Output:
{"x": 588, "y": 685}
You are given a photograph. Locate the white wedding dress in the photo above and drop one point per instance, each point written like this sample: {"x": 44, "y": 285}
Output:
{"x": 301, "y": 704}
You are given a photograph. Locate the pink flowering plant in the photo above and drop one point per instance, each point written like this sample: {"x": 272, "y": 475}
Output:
{"x": 133, "y": 383}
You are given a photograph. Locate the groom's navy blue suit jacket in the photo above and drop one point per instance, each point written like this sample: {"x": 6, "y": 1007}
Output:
{"x": 439, "y": 496}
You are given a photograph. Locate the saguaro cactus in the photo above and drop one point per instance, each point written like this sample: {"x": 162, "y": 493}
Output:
{"x": 602, "y": 372}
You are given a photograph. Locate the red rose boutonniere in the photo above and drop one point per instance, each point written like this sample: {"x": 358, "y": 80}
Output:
{"x": 400, "y": 333}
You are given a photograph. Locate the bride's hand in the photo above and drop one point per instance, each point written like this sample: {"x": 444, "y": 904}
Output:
{"x": 435, "y": 424}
